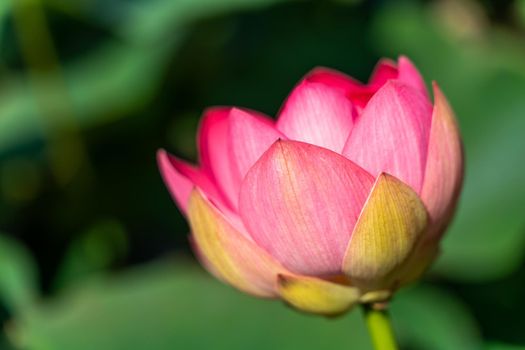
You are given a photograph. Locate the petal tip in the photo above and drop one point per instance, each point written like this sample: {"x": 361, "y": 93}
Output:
{"x": 161, "y": 155}
{"x": 404, "y": 59}
{"x": 317, "y": 74}
{"x": 317, "y": 70}
{"x": 164, "y": 162}
{"x": 387, "y": 62}
{"x": 438, "y": 93}
{"x": 213, "y": 110}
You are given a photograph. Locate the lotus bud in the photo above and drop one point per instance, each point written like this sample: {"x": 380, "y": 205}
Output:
{"x": 341, "y": 200}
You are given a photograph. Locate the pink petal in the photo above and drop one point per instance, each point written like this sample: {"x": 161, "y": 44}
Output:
{"x": 409, "y": 75}
{"x": 300, "y": 203}
{"x": 181, "y": 177}
{"x": 384, "y": 71}
{"x": 215, "y": 152}
{"x": 250, "y": 136}
{"x": 444, "y": 167}
{"x": 404, "y": 71}
{"x": 317, "y": 113}
{"x": 391, "y": 135}
{"x": 333, "y": 78}
{"x": 356, "y": 91}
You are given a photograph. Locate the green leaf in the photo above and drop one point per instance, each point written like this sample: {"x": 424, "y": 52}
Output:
{"x": 114, "y": 79}
{"x": 428, "y": 318}
{"x": 18, "y": 285}
{"x": 520, "y": 11}
{"x": 94, "y": 100}
{"x": 4, "y": 11}
{"x": 501, "y": 346}
{"x": 170, "y": 305}
{"x": 149, "y": 20}
{"x": 163, "y": 306}
{"x": 103, "y": 244}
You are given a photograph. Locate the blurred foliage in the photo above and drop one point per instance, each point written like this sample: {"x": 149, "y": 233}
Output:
{"x": 164, "y": 306}
{"x": 118, "y": 79}
{"x": 142, "y": 38}
{"x": 173, "y": 305}
{"x": 18, "y": 284}
{"x": 94, "y": 251}
{"x": 447, "y": 323}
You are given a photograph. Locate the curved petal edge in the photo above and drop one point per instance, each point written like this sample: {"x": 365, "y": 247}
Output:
{"x": 251, "y": 134}
{"x": 180, "y": 179}
{"x": 215, "y": 153}
{"x": 317, "y": 113}
{"x": 391, "y": 135}
{"x": 229, "y": 253}
{"x": 300, "y": 203}
{"x": 444, "y": 168}
{"x": 409, "y": 74}
{"x": 388, "y": 229}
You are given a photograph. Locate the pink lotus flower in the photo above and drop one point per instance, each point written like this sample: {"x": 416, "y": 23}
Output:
{"x": 342, "y": 200}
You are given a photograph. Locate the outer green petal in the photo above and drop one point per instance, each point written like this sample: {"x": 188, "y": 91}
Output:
{"x": 317, "y": 296}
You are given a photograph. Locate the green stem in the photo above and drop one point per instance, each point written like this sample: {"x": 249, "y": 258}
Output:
{"x": 380, "y": 328}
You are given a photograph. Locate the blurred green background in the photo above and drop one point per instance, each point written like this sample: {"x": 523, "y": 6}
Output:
{"x": 94, "y": 254}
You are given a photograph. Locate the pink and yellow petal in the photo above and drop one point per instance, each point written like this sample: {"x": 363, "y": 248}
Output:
{"x": 389, "y": 227}
{"x": 231, "y": 254}
{"x": 419, "y": 261}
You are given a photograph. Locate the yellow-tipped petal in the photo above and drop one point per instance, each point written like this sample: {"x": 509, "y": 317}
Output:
{"x": 388, "y": 228}
{"x": 316, "y": 295}
{"x": 228, "y": 253}
{"x": 418, "y": 262}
